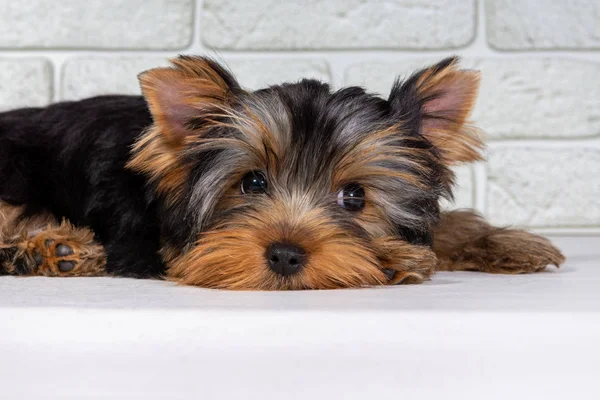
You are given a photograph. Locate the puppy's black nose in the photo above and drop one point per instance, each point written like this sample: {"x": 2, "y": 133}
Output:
{"x": 286, "y": 259}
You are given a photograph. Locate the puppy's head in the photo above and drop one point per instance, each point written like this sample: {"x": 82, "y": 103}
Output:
{"x": 297, "y": 186}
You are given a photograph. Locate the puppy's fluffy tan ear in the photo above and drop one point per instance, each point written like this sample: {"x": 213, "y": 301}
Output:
{"x": 439, "y": 99}
{"x": 178, "y": 95}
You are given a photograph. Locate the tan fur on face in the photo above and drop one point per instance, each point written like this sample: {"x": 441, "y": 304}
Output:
{"x": 377, "y": 163}
{"x": 261, "y": 134}
{"x": 232, "y": 256}
{"x": 363, "y": 161}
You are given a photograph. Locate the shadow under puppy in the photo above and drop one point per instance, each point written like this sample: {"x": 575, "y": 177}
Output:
{"x": 294, "y": 186}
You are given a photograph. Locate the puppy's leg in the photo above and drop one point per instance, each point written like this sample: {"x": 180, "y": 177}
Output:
{"x": 7, "y": 254}
{"x": 64, "y": 250}
{"x": 135, "y": 256}
{"x": 465, "y": 241}
{"x": 12, "y": 229}
{"x": 40, "y": 246}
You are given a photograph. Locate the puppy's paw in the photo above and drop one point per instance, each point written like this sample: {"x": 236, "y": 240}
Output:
{"x": 404, "y": 263}
{"x": 66, "y": 251}
{"x": 504, "y": 251}
{"x": 517, "y": 252}
{"x": 55, "y": 259}
{"x": 465, "y": 241}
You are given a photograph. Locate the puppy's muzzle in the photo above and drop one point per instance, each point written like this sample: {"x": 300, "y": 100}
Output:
{"x": 285, "y": 259}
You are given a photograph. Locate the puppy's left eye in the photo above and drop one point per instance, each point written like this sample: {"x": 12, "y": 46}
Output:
{"x": 254, "y": 182}
{"x": 352, "y": 197}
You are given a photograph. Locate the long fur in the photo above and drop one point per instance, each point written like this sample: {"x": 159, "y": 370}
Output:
{"x": 157, "y": 180}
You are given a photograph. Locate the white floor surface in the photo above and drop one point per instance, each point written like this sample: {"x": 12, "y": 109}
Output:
{"x": 460, "y": 336}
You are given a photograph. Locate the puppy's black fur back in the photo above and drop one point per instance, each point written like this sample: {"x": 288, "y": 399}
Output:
{"x": 69, "y": 159}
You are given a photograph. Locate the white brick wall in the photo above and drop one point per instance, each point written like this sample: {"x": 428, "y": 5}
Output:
{"x": 543, "y": 24}
{"x": 541, "y": 186}
{"x": 540, "y": 97}
{"x": 106, "y": 24}
{"x": 337, "y": 24}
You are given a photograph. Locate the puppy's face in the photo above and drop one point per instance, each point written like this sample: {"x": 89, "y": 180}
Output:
{"x": 298, "y": 187}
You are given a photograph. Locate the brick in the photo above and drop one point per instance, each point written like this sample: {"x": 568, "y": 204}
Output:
{"x": 519, "y": 98}
{"x": 553, "y": 24}
{"x": 544, "y": 187}
{"x": 90, "y": 76}
{"x": 256, "y": 74}
{"x": 335, "y": 24}
{"x": 107, "y": 24}
{"x": 25, "y": 82}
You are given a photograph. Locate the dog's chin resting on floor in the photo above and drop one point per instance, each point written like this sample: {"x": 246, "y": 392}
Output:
{"x": 294, "y": 186}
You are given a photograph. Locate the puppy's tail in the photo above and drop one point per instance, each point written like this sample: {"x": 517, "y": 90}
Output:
{"x": 465, "y": 241}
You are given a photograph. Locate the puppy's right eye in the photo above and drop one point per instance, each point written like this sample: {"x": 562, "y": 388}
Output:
{"x": 254, "y": 182}
{"x": 352, "y": 197}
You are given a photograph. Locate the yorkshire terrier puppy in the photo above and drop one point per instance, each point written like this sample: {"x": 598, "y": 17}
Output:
{"x": 294, "y": 186}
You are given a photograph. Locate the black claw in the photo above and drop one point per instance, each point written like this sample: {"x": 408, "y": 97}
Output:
{"x": 21, "y": 266}
{"x": 390, "y": 273}
{"x": 63, "y": 250}
{"x": 66, "y": 266}
{"x": 7, "y": 254}
{"x": 38, "y": 258}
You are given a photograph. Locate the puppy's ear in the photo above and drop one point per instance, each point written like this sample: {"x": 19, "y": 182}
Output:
{"x": 437, "y": 101}
{"x": 191, "y": 88}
